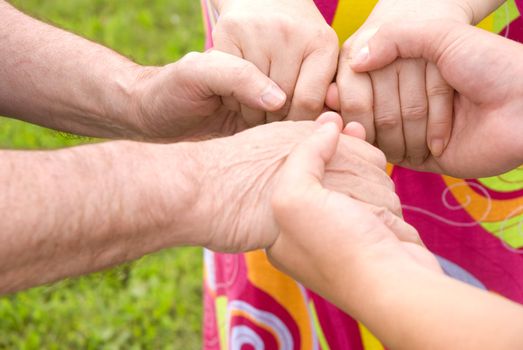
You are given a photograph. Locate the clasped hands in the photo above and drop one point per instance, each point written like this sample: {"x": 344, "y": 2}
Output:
{"x": 241, "y": 175}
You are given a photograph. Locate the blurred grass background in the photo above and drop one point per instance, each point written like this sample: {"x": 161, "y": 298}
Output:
{"x": 153, "y": 303}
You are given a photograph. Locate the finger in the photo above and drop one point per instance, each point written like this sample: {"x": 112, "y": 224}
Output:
{"x": 349, "y": 160}
{"x": 397, "y": 225}
{"x": 355, "y": 147}
{"x": 357, "y": 187}
{"x": 356, "y": 98}
{"x": 305, "y": 165}
{"x": 284, "y": 71}
{"x": 330, "y": 117}
{"x": 252, "y": 53}
{"x": 332, "y": 100}
{"x": 414, "y": 109}
{"x": 435, "y": 41}
{"x": 316, "y": 73}
{"x": 387, "y": 113}
{"x": 225, "y": 44}
{"x": 441, "y": 102}
{"x": 355, "y": 129}
{"x": 221, "y": 74}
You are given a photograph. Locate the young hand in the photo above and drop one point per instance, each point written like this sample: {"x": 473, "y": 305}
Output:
{"x": 405, "y": 107}
{"x": 329, "y": 239}
{"x": 486, "y": 72}
{"x": 287, "y": 40}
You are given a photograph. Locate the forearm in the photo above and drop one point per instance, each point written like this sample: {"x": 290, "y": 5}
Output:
{"x": 409, "y": 307}
{"x": 79, "y": 210}
{"x": 59, "y": 80}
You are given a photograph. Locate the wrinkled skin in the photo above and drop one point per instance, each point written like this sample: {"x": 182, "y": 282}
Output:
{"x": 240, "y": 172}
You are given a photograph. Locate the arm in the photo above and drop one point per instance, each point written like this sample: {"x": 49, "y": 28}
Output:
{"x": 409, "y": 307}
{"x": 78, "y": 210}
{"x": 73, "y": 84}
{"x": 56, "y": 79}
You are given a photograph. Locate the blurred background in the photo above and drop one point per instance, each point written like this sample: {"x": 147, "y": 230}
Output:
{"x": 153, "y": 303}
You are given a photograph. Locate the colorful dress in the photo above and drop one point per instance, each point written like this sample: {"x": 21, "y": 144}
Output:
{"x": 474, "y": 226}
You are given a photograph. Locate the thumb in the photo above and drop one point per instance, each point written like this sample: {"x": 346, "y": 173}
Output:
{"x": 305, "y": 165}
{"x": 428, "y": 40}
{"x": 355, "y": 129}
{"x": 332, "y": 100}
{"x": 226, "y": 75}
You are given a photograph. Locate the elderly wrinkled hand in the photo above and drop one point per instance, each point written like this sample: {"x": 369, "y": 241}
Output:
{"x": 185, "y": 98}
{"x": 240, "y": 173}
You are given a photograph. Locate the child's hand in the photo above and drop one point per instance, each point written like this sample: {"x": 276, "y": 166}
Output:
{"x": 326, "y": 236}
{"x": 290, "y": 42}
{"x": 406, "y": 107}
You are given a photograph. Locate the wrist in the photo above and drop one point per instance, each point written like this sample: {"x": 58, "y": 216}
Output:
{"x": 160, "y": 186}
{"x": 122, "y": 99}
{"x": 370, "y": 271}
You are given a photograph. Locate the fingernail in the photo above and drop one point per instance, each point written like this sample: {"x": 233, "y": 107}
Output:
{"x": 361, "y": 56}
{"x": 436, "y": 147}
{"x": 273, "y": 97}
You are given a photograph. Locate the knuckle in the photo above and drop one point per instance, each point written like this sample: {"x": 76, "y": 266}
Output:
{"x": 309, "y": 103}
{"x": 414, "y": 113}
{"x": 395, "y": 204}
{"x": 387, "y": 121}
{"x": 191, "y": 59}
{"x": 244, "y": 72}
{"x": 440, "y": 123}
{"x": 328, "y": 36}
{"x": 384, "y": 215}
{"x": 228, "y": 24}
{"x": 283, "y": 24}
{"x": 379, "y": 158}
{"x": 439, "y": 90}
{"x": 356, "y": 104}
{"x": 191, "y": 56}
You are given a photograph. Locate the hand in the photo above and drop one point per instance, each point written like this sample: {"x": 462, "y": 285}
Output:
{"x": 486, "y": 72}
{"x": 328, "y": 238}
{"x": 405, "y": 107}
{"x": 239, "y": 174}
{"x": 290, "y": 42}
{"x": 185, "y": 99}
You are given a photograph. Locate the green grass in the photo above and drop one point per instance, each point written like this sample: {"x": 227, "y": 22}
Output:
{"x": 153, "y": 303}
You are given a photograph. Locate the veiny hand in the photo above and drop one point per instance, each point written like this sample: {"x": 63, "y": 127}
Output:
{"x": 327, "y": 237}
{"x": 405, "y": 107}
{"x": 239, "y": 174}
{"x": 185, "y": 99}
{"x": 290, "y": 42}
{"x": 486, "y": 71}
